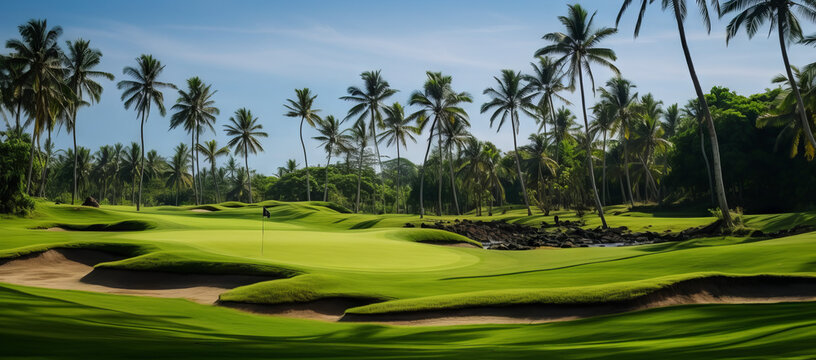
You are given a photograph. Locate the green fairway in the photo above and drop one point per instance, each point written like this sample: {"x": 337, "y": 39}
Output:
{"x": 320, "y": 253}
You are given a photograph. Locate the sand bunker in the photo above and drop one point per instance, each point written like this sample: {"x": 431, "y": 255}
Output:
{"x": 329, "y": 309}
{"x": 201, "y": 210}
{"x": 55, "y": 229}
{"x": 708, "y": 290}
{"x": 72, "y": 269}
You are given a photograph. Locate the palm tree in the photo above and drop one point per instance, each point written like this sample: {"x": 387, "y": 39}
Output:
{"x": 195, "y": 109}
{"x": 648, "y": 135}
{"x": 605, "y": 123}
{"x": 101, "y": 169}
{"x": 131, "y": 166}
{"x": 359, "y": 137}
{"x": 456, "y": 134}
{"x": 473, "y": 170}
{"x": 291, "y": 166}
{"x": 245, "y": 131}
{"x": 753, "y": 13}
{"x": 369, "y": 102}
{"x": 140, "y": 92}
{"x": 619, "y": 95}
{"x": 440, "y": 102}
{"x": 579, "y": 48}
{"x": 177, "y": 175}
{"x": 547, "y": 79}
{"x": 117, "y": 154}
{"x": 784, "y": 111}
{"x": 14, "y": 90}
{"x": 80, "y": 62}
{"x": 398, "y": 129}
{"x": 678, "y": 8}
{"x": 537, "y": 161}
{"x": 211, "y": 153}
{"x": 302, "y": 107}
{"x": 491, "y": 157}
{"x": 331, "y": 138}
{"x": 512, "y": 95}
{"x": 38, "y": 53}
{"x": 154, "y": 165}
{"x": 693, "y": 110}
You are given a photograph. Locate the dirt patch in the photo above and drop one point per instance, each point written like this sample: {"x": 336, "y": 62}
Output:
{"x": 72, "y": 269}
{"x": 709, "y": 290}
{"x": 328, "y": 309}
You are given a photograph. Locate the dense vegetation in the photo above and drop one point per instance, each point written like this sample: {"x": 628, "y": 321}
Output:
{"x": 639, "y": 149}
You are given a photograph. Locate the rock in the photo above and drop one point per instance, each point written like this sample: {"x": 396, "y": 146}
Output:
{"x": 90, "y": 201}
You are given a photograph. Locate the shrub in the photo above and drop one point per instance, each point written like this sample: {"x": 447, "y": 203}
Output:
{"x": 13, "y": 164}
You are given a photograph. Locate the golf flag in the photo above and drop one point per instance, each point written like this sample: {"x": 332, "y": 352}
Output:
{"x": 266, "y": 213}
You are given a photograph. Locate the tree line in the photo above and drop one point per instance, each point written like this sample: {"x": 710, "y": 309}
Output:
{"x": 43, "y": 86}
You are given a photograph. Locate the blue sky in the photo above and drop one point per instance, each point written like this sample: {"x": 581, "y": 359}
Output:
{"x": 256, "y": 52}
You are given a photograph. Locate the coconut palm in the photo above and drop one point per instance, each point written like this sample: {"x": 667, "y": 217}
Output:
{"x": 780, "y": 14}
{"x": 694, "y": 111}
{"x": 455, "y": 134}
{"x": 82, "y": 79}
{"x": 369, "y": 103}
{"x": 508, "y": 98}
{"x": 332, "y": 139}
{"x": 212, "y": 152}
{"x": 40, "y": 58}
{"x": 784, "y": 112}
{"x": 143, "y": 90}
{"x": 678, "y": 9}
{"x": 103, "y": 160}
{"x": 473, "y": 170}
{"x": 177, "y": 175}
{"x": 606, "y": 123}
{"x": 154, "y": 165}
{"x": 13, "y": 88}
{"x": 398, "y": 129}
{"x": 548, "y": 80}
{"x": 439, "y": 101}
{"x": 619, "y": 95}
{"x": 579, "y": 49}
{"x": 537, "y": 161}
{"x": 302, "y": 107}
{"x": 648, "y": 136}
{"x": 291, "y": 166}
{"x": 131, "y": 166}
{"x": 195, "y": 110}
{"x": 245, "y": 131}
{"x": 359, "y": 138}
{"x": 117, "y": 154}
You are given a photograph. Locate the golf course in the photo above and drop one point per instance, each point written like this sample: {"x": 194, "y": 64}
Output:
{"x": 195, "y": 281}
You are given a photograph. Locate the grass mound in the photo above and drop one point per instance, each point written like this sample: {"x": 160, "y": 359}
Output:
{"x": 205, "y": 207}
{"x": 126, "y": 225}
{"x": 233, "y": 204}
{"x": 184, "y": 262}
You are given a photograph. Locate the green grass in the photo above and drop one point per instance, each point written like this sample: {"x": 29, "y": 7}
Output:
{"x": 317, "y": 250}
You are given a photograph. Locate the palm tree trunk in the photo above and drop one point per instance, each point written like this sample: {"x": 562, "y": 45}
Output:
{"x": 249, "y": 178}
{"x": 707, "y": 165}
{"x": 513, "y": 116}
{"x": 398, "y": 177}
{"x": 306, "y": 159}
{"x": 422, "y": 172}
{"x": 31, "y": 160}
{"x": 649, "y": 179}
{"x": 326, "y": 182}
{"x": 192, "y": 164}
{"x": 603, "y": 171}
{"x": 800, "y": 107}
{"x": 215, "y": 180}
{"x": 379, "y": 159}
{"x": 45, "y": 170}
{"x": 453, "y": 181}
{"x": 623, "y": 190}
{"x": 589, "y": 152}
{"x": 17, "y": 115}
{"x": 712, "y": 132}
{"x": 359, "y": 177}
{"x": 626, "y": 168}
{"x": 198, "y": 169}
{"x": 76, "y": 157}
{"x": 439, "y": 171}
{"x": 141, "y": 161}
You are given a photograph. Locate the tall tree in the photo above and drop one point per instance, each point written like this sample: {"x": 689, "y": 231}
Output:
{"x": 302, "y": 107}
{"x": 131, "y": 166}
{"x": 648, "y": 136}
{"x": 140, "y": 92}
{"x": 195, "y": 110}
{"x": 605, "y": 123}
{"x": 398, "y": 129}
{"x": 359, "y": 137}
{"x": 784, "y": 112}
{"x": 440, "y": 102}
{"x": 548, "y": 79}
{"x": 578, "y": 48}
{"x": 619, "y": 95}
{"x": 511, "y": 95}
{"x": 678, "y": 9}
{"x": 455, "y": 135}
{"x": 537, "y": 164}
{"x": 212, "y": 152}
{"x": 693, "y": 110}
{"x": 245, "y": 131}
{"x": 780, "y": 14}
{"x": 331, "y": 138}
{"x": 39, "y": 55}
{"x": 82, "y": 79}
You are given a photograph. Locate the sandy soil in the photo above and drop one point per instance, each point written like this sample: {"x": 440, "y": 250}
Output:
{"x": 72, "y": 269}
{"x": 55, "y": 229}
{"x": 200, "y": 210}
{"x": 442, "y": 243}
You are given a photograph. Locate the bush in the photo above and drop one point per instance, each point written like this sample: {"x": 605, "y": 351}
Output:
{"x": 13, "y": 164}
